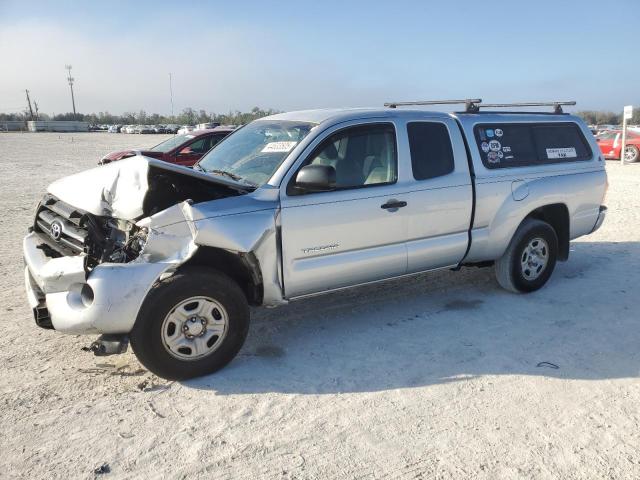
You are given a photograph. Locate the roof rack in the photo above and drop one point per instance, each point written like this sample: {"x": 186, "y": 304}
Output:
{"x": 557, "y": 106}
{"x": 473, "y": 105}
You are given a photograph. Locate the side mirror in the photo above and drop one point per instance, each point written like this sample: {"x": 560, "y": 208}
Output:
{"x": 316, "y": 178}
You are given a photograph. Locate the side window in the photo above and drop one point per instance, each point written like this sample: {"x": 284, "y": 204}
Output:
{"x": 560, "y": 142}
{"x": 431, "y": 151}
{"x": 362, "y": 156}
{"x": 200, "y": 146}
{"x": 522, "y": 144}
{"x": 214, "y": 139}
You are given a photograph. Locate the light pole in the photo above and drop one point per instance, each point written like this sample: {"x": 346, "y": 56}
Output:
{"x": 70, "y": 79}
{"x": 171, "y": 94}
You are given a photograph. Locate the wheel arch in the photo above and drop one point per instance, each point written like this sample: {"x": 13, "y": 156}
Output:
{"x": 556, "y": 215}
{"x": 243, "y": 268}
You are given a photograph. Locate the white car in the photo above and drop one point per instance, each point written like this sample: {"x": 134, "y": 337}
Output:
{"x": 185, "y": 129}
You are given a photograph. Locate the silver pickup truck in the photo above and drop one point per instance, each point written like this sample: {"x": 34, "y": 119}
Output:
{"x": 299, "y": 204}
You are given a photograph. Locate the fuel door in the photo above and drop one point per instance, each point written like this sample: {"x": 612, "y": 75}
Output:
{"x": 519, "y": 190}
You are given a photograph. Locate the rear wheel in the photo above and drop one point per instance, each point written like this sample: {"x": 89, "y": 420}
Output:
{"x": 631, "y": 154}
{"x": 191, "y": 324}
{"x": 529, "y": 260}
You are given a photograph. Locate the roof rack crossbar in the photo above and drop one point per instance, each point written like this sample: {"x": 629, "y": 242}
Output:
{"x": 471, "y": 104}
{"x": 557, "y": 106}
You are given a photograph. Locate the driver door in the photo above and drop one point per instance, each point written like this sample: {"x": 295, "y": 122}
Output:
{"x": 349, "y": 235}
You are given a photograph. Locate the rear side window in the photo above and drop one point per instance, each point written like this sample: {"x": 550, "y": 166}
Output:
{"x": 431, "y": 152}
{"x": 560, "y": 142}
{"x": 523, "y": 144}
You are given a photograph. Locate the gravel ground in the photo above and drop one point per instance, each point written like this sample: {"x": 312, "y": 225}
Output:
{"x": 432, "y": 377}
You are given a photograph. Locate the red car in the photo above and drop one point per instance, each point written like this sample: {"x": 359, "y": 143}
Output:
{"x": 184, "y": 149}
{"x": 610, "y": 144}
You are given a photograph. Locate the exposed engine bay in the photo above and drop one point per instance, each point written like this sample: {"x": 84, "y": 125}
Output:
{"x": 167, "y": 188}
{"x": 108, "y": 233}
{"x": 112, "y": 240}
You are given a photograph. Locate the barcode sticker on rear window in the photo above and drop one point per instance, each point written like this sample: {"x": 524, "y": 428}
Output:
{"x": 555, "y": 153}
{"x": 281, "y": 147}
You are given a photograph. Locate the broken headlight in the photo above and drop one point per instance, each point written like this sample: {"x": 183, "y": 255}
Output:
{"x": 112, "y": 240}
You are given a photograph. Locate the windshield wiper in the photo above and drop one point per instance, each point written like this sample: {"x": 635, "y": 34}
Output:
{"x": 232, "y": 176}
{"x": 226, "y": 174}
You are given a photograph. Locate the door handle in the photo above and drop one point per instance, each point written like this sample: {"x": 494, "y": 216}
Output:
{"x": 393, "y": 205}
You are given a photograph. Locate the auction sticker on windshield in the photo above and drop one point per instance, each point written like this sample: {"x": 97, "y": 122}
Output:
{"x": 555, "y": 153}
{"x": 279, "y": 147}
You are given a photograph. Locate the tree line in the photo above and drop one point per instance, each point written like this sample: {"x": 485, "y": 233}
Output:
{"x": 188, "y": 116}
{"x": 595, "y": 117}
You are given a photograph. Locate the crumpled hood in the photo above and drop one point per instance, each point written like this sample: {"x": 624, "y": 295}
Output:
{"x": 121, "y": 189}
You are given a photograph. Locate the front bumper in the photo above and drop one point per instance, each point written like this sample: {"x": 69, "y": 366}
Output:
{"x": 106, "y": 300}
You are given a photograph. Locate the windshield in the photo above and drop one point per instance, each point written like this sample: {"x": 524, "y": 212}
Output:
{"x": 609, "y": 135}
{"x": 170, "y": 144}
{"x": 253, "y": 153}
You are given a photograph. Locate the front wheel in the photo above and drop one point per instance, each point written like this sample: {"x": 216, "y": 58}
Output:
{"x": 530, "y": 258}
{"x": 631, "y": 154}
{"x": 191, "y": 324}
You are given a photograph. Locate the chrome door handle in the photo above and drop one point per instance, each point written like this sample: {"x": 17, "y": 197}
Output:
{"x": 393, "y": 204}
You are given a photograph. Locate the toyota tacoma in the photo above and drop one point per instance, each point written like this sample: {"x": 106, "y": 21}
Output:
{"x": 170, "y": 258}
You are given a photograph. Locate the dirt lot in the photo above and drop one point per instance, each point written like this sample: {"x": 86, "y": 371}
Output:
{"x": 435, "y": 376}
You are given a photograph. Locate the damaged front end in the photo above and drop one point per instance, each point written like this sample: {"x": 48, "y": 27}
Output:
{"x": 101, "y": 239}
{"x": 96, "y": 212}
{"x": 69, "y": 231}
{"x": 112, "y": 240}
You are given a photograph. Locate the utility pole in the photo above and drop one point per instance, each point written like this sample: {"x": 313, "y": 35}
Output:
{"x": 70, "y": 80}
{"x": 171, "y": 93}
{"x": 29, "y": 103}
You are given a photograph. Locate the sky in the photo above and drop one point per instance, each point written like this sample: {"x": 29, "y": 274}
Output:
{"x": 291, "y": 55}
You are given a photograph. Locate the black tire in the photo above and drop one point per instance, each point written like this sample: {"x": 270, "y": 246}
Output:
{"x": 635, "y": 155}
{"x": 509, "y": 269}
{"x": 164, "y": 296}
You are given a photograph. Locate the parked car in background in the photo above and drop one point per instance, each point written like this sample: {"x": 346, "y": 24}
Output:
{"x": 610, "y": 143}
{"x": 605, "y": 128}
{"x": 145, "y": 129}
{"x": 186, "y": 129}
{"x": 114, "y": 129}
{"x": 159, "y": 129}
{"x": 206, "y": 126}
{"x": 171, "y": 128}
{"x": 184, "y": 149}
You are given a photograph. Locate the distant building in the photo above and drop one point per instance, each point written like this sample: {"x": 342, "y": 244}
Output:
{"x": 13, "y": 125}
{"x": 57, "y": 126}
